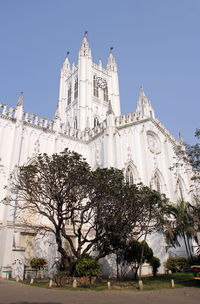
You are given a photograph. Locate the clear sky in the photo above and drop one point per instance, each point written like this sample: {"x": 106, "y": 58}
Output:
{"x": 156, "y": 44}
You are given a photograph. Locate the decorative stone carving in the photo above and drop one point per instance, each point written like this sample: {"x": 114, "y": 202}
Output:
{"x": 153, "y": 141}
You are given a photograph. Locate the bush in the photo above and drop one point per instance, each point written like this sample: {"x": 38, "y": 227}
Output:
{"x": 38, "y": 263}
{"x": 155, "y": 264}
{"x": 86, "y": 266}
{"x": 177, "y": 264}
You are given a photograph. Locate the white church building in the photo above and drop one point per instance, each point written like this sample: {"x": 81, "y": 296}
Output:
{"x": 87, "y": 120}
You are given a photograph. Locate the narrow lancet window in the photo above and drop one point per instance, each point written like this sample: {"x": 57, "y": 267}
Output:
{"x": 69, "y": 96}
{"x": 129, "y": 175}
{"x": 95, "y": 87}
{"x": 96, "y": 122}
{"x": 105, "y": 93}
{"x": 157, "y": 183}
{"x": 76, "y": 88}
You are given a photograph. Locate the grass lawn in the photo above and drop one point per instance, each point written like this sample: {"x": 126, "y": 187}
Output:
{"x": 149, "y": 283}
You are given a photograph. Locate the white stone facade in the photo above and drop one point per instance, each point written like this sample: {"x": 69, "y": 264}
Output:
{"x": 88, "y": 121}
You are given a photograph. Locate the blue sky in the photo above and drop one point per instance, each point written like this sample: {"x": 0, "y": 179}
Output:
{"x": 156, "y": 44}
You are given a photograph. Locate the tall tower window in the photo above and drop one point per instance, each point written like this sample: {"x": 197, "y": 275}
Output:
{"x": 129, "y": 175}
{"x": 105, "y": 94}
{"x": 75, "y": 123}
{"x": 76, "y": 88}
{"x": 157, "y": 183}
{"x": 95, "y": 87}
{"x": 69, "y": 95}
{"x": 96, "y": 122}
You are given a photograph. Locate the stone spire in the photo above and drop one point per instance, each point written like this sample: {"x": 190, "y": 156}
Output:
{"x": 144, "y": 108}
{"x": 142, "y": 94}
{"x": 57, "y": 115}
{"x": 66, "y": 65}
{"x": 111, "y": 65}
{"x": 85, "y": 48}
{"x": 180, "y": 139}
{"x": 19, "y": 108}
{"x": 20, "y": 100}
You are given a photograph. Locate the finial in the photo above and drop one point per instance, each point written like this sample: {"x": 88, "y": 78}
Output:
{"x": 68, "y": 54}
{"x": 111, "y": 48}
{"x": 180, "y": 138}
{"x": 20, "y": 101}
{"x": 86, "y": 34}
{"x": 57, "y": 113}
{"x": 141, "y": 87}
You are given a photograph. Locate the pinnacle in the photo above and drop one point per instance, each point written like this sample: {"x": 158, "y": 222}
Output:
{"x": 20, "y": 100}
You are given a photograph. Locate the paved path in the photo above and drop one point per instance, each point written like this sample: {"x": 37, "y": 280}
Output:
{"x": 16, "y": 293}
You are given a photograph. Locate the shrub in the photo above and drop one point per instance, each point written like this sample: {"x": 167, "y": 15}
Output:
{"x": 155, "y": 264}
{"x": 38, "y": 263}
{"x": 176, "y": 264}
{"x": 86, "y": 266}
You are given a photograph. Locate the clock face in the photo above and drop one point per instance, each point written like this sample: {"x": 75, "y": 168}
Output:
{"x": 101, "y": 82}
{"x": 153, "y": 142}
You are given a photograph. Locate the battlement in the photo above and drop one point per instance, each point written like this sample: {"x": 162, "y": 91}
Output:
{"x": 127, "y": 119}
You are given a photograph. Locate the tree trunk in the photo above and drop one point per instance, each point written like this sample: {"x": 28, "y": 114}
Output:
{"x": 117, "y": 262}
{"x": 186, "y": 244}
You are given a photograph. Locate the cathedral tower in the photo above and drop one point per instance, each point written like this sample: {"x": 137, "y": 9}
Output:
{"x": 85, "y": 90}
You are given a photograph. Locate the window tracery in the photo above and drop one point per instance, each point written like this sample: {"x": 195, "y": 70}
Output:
{"x": 129, "y": 175}
{"x": 157, "y": 183}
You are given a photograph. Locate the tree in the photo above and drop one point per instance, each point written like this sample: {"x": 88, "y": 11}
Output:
{"x": 154, "y": 215}
{"x": 155, "y": 264}
{"x": 54, "y": 191}
{"x": 132, "y": 255}
{"x": 182, "y": 224}
{"x": 186, "y": 215}
{"x": 60, "y": 191}
{"x": 125, "y": 212}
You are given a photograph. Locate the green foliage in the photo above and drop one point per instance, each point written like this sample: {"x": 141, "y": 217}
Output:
{"x": 62, "y": 188}
{"x": 87, "y": 266}
{"x": 38, "y": 263}
{"x": 155, "y": 264}
{"x": 132, "y": 253}
{"x": 177, "y": 264}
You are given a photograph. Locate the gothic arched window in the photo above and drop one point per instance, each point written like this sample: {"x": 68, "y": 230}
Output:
{"x": 129, "y": 175}
{"x": 75, "y": 123}
{"x": 105, "y": 93}
{"x": 69, "y": 95}
{"x": 76, "y": 88}
{"x": 95, "y": 87}
{"x": 96, "y": 122}
{"x": 157, "y": 183}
